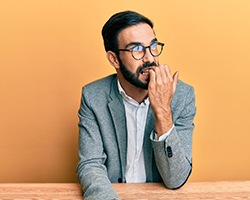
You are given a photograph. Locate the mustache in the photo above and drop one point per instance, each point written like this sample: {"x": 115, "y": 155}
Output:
{"x": 144, "y": 66}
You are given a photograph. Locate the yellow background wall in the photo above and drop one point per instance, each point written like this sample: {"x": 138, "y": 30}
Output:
{"x": 49, "y": 49}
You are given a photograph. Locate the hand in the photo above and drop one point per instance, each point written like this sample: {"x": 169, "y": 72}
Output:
{"x": 161, "y": 89}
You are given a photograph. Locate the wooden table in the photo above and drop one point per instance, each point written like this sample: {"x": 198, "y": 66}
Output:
{"x": 145, "y": 191}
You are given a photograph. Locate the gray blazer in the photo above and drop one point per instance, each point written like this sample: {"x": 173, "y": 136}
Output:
{"x": 103, "y": 140}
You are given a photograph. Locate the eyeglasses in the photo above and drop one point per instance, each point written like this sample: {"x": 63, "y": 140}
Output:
{"x": 139, "y": 51}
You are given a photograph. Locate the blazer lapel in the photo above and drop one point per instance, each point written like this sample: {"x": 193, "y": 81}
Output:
{"x": 147, "y": 146}
{"x": 117, "y": 111}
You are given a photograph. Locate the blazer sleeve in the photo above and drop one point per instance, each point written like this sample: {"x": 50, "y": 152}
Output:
{"x": 91, "y": 171}
{"x": 174, "y": 155}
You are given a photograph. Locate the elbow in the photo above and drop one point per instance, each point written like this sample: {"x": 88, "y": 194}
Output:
{"x": 177, "y": 182}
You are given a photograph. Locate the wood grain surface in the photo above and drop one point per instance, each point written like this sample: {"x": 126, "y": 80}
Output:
{"x": 140, "y": 191}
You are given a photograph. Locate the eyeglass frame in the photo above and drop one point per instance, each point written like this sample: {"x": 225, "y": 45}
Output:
{"x": 144, "y": 49}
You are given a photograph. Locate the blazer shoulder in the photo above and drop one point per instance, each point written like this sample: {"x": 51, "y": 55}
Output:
{"x": 183, "y": 93}
{"x": 182, "y": 89}
{"x": 100, "y": 86}
{"x": 101, "y": 83}
{"x": 99, "y": 92}
{"x": 182, "y": 86}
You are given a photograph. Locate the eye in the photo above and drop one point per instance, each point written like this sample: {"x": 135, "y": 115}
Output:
{"x": 154, "y": 46}
{"x": 138, "y": 48}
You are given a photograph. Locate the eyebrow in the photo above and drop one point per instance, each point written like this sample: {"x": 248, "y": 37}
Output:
{"x": 139, "y": 43}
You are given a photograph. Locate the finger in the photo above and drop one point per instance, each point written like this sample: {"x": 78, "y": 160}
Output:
{"x": 152, "y": 77}
{"x": 175, "y": 80}
{"x": 155, "y": 75}
{"x": 168, "y": 73}
{"x": 163, "y": 73}
{"x": 158, "y": 75}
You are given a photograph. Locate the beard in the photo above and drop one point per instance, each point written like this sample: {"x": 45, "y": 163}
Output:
{"x": 133, "y": 78}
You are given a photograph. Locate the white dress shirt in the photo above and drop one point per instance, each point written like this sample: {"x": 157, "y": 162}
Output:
{"x": 136, "y": 115}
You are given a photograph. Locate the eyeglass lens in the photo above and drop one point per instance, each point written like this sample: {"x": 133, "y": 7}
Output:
{"x": 138, "y": 52}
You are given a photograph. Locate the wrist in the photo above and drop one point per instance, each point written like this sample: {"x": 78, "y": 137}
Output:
{"x": 162, "y": 126}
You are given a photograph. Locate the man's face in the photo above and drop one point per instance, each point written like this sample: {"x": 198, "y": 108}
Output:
{"x": 134, "y": 70}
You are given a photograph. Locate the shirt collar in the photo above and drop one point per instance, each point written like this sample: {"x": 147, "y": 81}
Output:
{"x": 128, "y": 98}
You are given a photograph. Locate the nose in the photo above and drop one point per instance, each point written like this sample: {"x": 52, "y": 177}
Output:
{"x": 148, "y": 56}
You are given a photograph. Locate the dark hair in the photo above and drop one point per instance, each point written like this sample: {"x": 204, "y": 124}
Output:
{"x": 117, "y": 23}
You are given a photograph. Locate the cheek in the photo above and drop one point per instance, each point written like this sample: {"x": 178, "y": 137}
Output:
{"x": 130, "y": 63}
{"x": 133, "y": 67}
{"x": 157, "y": 60}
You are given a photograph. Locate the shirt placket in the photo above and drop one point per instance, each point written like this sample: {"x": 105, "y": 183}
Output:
{"x": 139, "y": 134}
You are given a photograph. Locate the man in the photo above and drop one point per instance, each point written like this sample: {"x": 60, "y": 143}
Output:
{"x": 136, "y": 125}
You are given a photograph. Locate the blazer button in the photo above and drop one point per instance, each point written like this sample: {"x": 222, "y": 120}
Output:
{"x": 119, "y": 180}
{"x": 169, "y": 151}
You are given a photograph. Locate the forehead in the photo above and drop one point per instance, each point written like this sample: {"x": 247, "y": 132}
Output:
{"x": 142, "y": 33}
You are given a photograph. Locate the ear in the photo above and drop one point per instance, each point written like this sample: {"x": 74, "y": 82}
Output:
{"x": 112, "y": 58}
